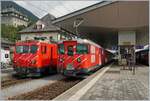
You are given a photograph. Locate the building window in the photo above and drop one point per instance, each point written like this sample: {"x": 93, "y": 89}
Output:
{"x": 26, "y": 38}
{"x": 51, "y": 38}
{"x": 39, "y": 25}
{"x": 40, "y": 38}
{"x": 35, "y": 27}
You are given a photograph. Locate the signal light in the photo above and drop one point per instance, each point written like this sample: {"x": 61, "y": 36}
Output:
{"x": 33, "y": 61}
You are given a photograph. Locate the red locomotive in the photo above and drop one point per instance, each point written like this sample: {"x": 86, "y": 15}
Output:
{"x": 79, "y": 57}
{"x": 33, "y": 58}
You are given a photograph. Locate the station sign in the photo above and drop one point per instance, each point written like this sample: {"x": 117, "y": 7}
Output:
{"x": 126, "y": 43}
{"x": 126, "y": 38}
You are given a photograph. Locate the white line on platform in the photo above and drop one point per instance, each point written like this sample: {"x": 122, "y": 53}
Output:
{"x": 83, "y": 90}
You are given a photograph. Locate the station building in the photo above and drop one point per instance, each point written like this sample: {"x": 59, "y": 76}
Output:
{"x": 112, "y": 24}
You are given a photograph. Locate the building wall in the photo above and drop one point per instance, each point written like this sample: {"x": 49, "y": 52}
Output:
{"x": 17, "y": 22}
{"x": 31, "y": 36}
{"x": 8, "y": 20}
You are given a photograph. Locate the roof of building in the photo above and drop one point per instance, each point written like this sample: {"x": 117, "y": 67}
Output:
{"x": 48, "y": 27}
{"x": 81, "y": 11}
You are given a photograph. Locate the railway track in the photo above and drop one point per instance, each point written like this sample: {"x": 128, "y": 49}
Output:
{"x": 13, "y": 81}
{"x": 48, "y": 92}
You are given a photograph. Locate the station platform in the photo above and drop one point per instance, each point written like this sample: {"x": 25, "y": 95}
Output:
{"x": 112, "y": 83}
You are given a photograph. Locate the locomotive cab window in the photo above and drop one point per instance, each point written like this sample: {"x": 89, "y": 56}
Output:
{"x": 61, "y": 49}
{"x": 82, "y": 49}
{"x": 70, "y": 50}
{"x": 22, "y": 49}
{"x": 33, "y": 48}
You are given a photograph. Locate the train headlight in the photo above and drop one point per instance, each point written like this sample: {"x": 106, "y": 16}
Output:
{"x": 33, "y": 61}
{"x": 79, "y": 60}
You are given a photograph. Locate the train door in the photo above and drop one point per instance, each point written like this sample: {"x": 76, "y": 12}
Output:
{"x": 45, "y": 57}
{"x": 70, "y": 47}
{"x": 54, "y": 55}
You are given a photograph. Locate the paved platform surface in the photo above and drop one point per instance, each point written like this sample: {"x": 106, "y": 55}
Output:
{"x": 118, "y": 84}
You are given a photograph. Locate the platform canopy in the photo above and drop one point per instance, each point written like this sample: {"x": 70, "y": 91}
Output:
{"x": 102, "y": 21}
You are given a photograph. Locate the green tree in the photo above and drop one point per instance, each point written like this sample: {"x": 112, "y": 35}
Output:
{"x": 10, "y": 32}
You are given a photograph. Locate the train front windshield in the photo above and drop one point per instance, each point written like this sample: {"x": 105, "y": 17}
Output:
{"x": 70, "y": 50}
{"x": 26, "y": 49}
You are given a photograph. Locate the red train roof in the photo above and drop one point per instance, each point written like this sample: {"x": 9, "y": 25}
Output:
{"x": 82, "y": 41}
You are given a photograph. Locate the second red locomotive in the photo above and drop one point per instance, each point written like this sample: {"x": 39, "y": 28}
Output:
{"x": 81, "y": 56}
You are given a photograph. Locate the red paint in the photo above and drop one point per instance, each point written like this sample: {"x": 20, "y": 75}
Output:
{"x": 88, "y": 60}
{"x": 40, "y": 59}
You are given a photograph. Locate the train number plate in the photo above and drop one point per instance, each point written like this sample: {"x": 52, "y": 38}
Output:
{"x": 70, "y": 67}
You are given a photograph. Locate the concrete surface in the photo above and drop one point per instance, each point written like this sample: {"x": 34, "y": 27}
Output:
{"x": 81, "y": 88}
{"x": 119, "y": 84}
{"x": 113, "y": 84}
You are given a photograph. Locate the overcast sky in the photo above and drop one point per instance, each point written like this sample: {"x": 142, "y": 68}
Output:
{"x": 57, "y": 8}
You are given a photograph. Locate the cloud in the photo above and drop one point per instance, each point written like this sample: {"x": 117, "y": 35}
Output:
{"x": 56, "y": 8}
